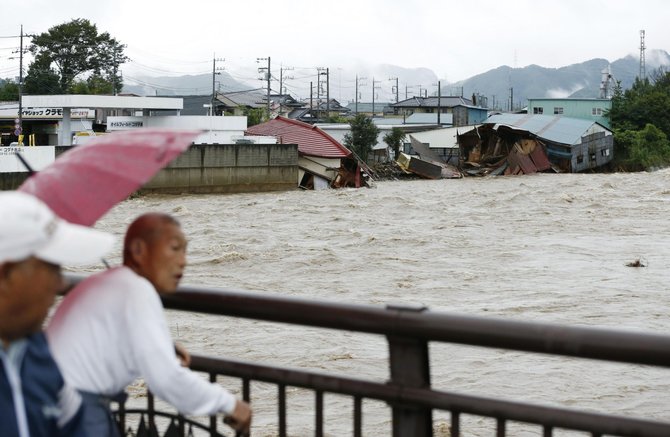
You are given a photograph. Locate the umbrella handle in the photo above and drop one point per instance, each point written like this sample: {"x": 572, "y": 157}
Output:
{"x": 25, "y": 163}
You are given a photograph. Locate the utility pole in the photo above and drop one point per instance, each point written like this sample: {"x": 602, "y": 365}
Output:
{"x": 439, "y": 102}
{"x": 327, "y": 92}
{"x": 215, "y": 71}
{"x": 320, "y": 71}
{"x": 373, "y": 95}
{"x": 358, "y": 95}
{"x": 19, "y": 128}
{"x": 311, "y": 108}
{"x": 395, "y": 88}
{"x": 281, "y": 78}
{"x": 511, "y": 99}
{"x": 269, "y": 77}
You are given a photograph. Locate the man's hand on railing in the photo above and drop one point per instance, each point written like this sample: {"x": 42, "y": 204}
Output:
{"x": 182, "y": 354}
{"x": 240, "y": 419}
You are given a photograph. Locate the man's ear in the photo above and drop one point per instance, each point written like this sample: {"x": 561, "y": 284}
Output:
{"x": 138, "y": 250}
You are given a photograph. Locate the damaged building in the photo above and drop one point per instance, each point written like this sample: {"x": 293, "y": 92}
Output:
{"x": 528, "y": 143}
{"x": 323, "y": 162}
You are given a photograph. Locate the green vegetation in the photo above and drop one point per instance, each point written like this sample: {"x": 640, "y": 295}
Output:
{"x": 363, "y": 136}
{"x": 255, "y": 116}
{"x": 9, "y": 91}
{"x": 641, "y": 123}
{"x": 394, "y": 140}
{"x": 74, "y": 58}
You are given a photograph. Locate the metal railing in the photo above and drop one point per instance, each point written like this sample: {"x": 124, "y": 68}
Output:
{"x": 408, "y": 390}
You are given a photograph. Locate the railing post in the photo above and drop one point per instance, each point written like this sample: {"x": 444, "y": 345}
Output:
{"x": 410, "y": 367}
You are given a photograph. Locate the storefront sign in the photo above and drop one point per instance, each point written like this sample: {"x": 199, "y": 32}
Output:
{"x": 38, "y": 157}
{"x": 124, "y": 123}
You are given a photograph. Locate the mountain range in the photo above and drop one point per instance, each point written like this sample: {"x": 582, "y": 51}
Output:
{"x": 499, "y": 86}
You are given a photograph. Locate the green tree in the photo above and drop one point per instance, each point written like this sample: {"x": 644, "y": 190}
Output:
{"x": 254, "y": 116}
{"x": 75, "y": 51}
{"x": 9, "y": 91}
{"x": 645, "y": 149}
{"x": 363, "y": 136}
{"x": 394, "y": 139}
{"x": 42, "y": 79}
{"x": 645, "y": 102}
{"x": 641, "y": 123}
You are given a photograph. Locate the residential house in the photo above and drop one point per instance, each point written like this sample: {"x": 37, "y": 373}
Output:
{"x": 323, "y": 162}
{"x": 316, "y": 111}
{"x": 283, "y": 104}
{"x": 380, "y": 151}
{"x": 378, "y": 109}
{"x": 463, "y": 111}
{"x": 588, "y": 109}
{"x": 239, "y": 102}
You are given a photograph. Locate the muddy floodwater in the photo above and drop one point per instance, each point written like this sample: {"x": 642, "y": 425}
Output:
{"x": 547, "y": 248}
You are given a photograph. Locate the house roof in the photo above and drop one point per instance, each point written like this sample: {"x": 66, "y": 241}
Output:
{"x": 367, "y": 106}
{"x": 443, "y": 137}
{"x": 429, "y": 118}
{"x": 284, "y": 100}
{"x": 251, "y": 99}
{"x": 311, "y": 140}
{"x": 558, "y": 129}
{"x": 431, "y": 102}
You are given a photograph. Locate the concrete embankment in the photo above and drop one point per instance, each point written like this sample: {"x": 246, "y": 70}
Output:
{"x": 215, "y": 168}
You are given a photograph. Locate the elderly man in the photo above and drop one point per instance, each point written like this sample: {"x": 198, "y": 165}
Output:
{"x": 111, "y": 329}
{"x": 34, "y": 401}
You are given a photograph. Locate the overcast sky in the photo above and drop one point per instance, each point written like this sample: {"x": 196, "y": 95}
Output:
{"x": 454, "y": 39}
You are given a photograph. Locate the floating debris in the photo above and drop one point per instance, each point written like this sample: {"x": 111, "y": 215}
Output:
{"x": 636, "y": 263}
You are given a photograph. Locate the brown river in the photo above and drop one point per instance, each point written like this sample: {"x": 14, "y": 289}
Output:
{"x": 547, "y": 248}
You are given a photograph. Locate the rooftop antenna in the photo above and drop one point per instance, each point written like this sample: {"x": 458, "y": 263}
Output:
{"x": 643, "y": 73}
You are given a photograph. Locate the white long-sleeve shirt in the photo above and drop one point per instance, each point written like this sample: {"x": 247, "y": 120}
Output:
{"x": 111, "y": 329}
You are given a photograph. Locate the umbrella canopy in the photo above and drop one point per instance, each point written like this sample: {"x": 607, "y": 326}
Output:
{"x": 87, "y": 181}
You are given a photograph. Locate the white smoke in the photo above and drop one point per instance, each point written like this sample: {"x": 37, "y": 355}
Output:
{"x": 561, "y": 93}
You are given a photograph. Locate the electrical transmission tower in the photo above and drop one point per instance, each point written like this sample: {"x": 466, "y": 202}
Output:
{"x": 643, "y": 72}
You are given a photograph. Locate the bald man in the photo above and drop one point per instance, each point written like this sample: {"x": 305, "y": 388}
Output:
{"x": 111, "y": 330}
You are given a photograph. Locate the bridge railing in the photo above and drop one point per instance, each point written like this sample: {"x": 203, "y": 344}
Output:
{"x": 408, "y": 391}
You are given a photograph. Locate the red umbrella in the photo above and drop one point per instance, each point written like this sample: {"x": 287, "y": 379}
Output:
{"x": 87, "y": 181}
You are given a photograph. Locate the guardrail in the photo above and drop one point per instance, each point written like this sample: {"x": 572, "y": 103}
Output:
{"x": 408, "y": 391}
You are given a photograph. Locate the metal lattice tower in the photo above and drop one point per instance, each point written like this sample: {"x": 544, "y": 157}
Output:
{"x": 643, "y": 73}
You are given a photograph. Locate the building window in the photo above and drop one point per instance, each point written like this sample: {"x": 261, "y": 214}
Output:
{"x": 605, "y": 152}
{"x": 597, "y": 111}
{"x": 580, "y": 159}
{"x": 539, "y": 110}
{"x": 558, "y": 110}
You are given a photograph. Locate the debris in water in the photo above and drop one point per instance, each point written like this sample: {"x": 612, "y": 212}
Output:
{"x": 636, "y": 263}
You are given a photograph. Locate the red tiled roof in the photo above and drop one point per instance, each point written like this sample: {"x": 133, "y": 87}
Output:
{"x": 311, "y": 140}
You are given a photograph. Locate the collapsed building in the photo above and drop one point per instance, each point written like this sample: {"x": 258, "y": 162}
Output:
{"x": 528, "y": 143}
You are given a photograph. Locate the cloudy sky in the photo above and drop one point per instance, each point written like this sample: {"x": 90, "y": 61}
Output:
{"x": 454, "y": 39}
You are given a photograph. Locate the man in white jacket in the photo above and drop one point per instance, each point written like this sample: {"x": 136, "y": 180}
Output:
{"x": 111, "y": 329}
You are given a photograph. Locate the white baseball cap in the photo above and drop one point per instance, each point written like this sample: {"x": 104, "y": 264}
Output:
{"x": 29, "y": 228}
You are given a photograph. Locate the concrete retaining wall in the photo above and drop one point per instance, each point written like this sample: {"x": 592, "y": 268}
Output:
{"x": 220, "y": 168}
{"x": 229, "y": 168}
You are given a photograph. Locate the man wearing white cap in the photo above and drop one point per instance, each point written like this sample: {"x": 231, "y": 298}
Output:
{"x": 34, "y": 401}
